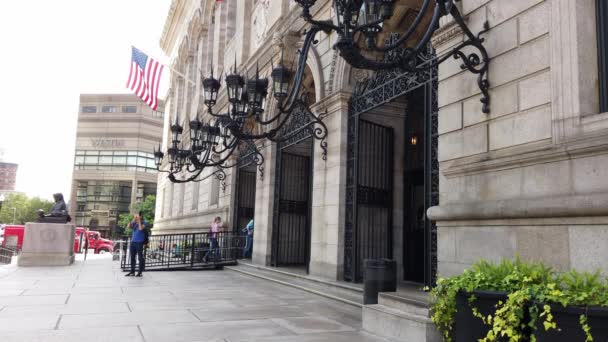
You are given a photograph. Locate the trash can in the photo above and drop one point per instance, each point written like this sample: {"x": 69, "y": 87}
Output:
{"x": 379, "y": 275}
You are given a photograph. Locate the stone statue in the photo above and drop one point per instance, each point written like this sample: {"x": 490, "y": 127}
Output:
{"x": 58, "y": 213}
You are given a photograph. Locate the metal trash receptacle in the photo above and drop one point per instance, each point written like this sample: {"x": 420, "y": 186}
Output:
{"x": 380, "y": 275}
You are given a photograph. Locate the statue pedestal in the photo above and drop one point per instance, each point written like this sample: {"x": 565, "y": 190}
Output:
{"x": 47, "y": 244}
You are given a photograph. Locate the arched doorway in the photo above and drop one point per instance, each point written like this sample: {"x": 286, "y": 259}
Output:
{"x": 293, "y": 187}
{"x": 246, "y": 169}
{"x": 392, "y": 172}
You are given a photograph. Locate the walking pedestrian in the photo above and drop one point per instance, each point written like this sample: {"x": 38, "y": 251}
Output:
{"x": 85, "y": 242}
{"x": 213, "y": 235}
{"x": 138, "y": 239}
{"x": 248, "y": 230}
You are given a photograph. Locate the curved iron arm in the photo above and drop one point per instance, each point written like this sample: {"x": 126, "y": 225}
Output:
{"x": 476, "y": 62}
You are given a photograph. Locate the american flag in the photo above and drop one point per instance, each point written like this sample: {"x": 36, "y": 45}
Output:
{"x": 144, "y": 77}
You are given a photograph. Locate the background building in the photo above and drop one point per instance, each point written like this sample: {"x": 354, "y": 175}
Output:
{"x": 8, "y": 176}
{"x": 114, "y": 163}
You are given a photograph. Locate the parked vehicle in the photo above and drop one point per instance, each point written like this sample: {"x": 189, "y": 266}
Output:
{"x": 96, "y": 242}
{"x": 13, "y": 238}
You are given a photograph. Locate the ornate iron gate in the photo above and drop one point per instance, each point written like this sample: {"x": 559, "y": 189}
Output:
{"x": 245, "y": 198}
{"x": 373, "y": 229}
{"x": 292, "y": 192}
{"x": 377, "y": 90}
{"x": 291, "y": 240}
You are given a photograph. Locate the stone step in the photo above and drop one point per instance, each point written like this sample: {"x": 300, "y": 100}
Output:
{"x": 403, "y": 302}
{"x": 346, "y": 293}
{"x": 397, "y": 325}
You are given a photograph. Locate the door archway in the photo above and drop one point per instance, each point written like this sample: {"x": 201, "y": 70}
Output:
{"x": 365, "y": 201}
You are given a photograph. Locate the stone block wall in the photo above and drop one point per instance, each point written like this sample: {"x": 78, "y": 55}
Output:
{"x": 527, "y": 177}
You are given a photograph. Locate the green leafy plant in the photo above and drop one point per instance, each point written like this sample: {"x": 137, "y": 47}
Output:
{"x": 147, "y": 208}
{"x": 507, "y": 276}
{"x": 573, "y": 288}
{"x": 532, "y": 290}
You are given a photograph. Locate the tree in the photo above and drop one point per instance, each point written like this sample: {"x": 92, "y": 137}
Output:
{"x": 147, "y": 207}
{"x": 26, "y": 209}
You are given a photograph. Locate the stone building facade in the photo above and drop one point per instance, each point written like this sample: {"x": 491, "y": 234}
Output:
{"x": 8, "y": 176}
{"x": 113, "y": 164}
{"x": 421, "y": 174}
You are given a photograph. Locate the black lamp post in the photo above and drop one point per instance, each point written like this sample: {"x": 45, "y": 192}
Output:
{"x": 1, "y": 201}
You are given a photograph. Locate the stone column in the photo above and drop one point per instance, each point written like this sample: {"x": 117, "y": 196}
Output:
{"x": 329, "y": 191}
{"x": 264, "y": 208}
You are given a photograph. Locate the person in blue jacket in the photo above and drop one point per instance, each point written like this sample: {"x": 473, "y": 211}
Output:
{"x": 138, "y": 240}
{"x": 248, "y": 230}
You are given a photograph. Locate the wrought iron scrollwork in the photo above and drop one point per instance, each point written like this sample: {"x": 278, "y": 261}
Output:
{"x": 303, "y": 124}
{"x": 356, "y": 17}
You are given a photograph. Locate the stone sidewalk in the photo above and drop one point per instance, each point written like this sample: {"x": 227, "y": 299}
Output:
{"x": 93, "y": 301}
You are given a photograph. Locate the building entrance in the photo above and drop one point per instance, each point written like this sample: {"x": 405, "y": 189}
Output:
{"x": 245, "y": 200}
{"x": 392, "y": 138}
{"x": 291, "y": 236}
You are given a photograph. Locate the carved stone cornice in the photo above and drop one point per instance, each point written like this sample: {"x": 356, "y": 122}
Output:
{"x": 287, "y": 43}
{"x": 446, "y": 33}
{"x": 546, "y": 207}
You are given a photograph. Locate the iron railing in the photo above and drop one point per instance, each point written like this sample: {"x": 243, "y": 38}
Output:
{"x": 188, "y": 251}
{"x": 6, "y": 255}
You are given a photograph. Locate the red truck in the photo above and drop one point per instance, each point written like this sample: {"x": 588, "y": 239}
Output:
{"x": 13, "y": 238}
{"x": 96, "y": 242}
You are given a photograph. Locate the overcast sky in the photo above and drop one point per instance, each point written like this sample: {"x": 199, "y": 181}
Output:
{"x": 50, "y": 52}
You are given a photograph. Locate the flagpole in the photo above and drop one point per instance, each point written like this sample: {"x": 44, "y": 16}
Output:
{"x": 179, "y": 74}
{"x": 170, "y": 68}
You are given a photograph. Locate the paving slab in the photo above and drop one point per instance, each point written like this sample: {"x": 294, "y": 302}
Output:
{"x": 93, "y": 301}
{"x": 209, "y": 331}
{"x": 309, "y": 325}
{"x": 122, "y": 334}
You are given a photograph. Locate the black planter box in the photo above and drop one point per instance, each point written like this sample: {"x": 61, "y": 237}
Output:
{"x": 467, "y": 327}
{"x": 567, "y": 319}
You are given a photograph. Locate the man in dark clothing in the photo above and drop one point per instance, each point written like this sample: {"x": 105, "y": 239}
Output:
{"x": 138, "y": 238}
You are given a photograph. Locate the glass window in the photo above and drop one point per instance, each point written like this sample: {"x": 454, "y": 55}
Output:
{"x": 151, "y": 164}
{"x": 141, "y": 161}
{"x": 105, "y": 159}
{"x": 89, "y": 109}
{"x": 80, "y": 153}
{"x": 132, "y": 161}
{"x": 158, "y": 114}
{"x": 129, "y": 109}
{"x": 91, "y": 160}
{"x": 79, "y": 160}
{"x": 92, "y": 153}
{"x": 120, "y": 153}
{"x": 119, "y": 160}
{"x": 109, "y": 109}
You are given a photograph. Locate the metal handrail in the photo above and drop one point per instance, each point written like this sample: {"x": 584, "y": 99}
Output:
{"x": 188, "y": 251}
{"x": 6, "y": 255}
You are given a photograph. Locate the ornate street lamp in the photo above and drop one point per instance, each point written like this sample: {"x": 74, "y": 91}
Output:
{"x": 246, "y": 119}
{"x": 209, "y": 148}
{"x": 247, "y": 105}
{"x": 354, "y": 19}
